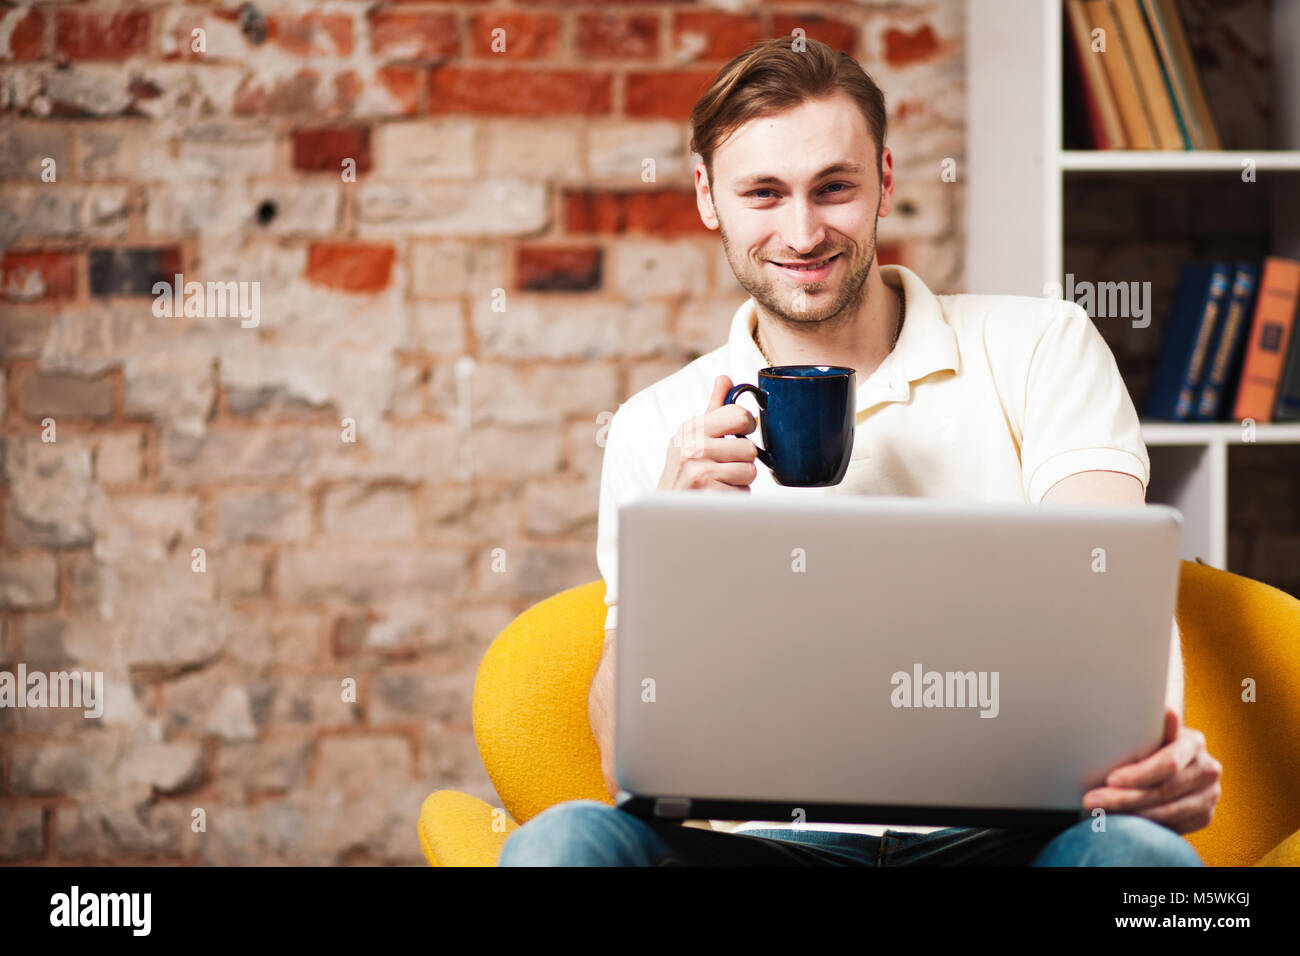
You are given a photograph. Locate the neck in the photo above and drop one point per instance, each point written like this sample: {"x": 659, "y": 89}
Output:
{"x": 860, "y": 338}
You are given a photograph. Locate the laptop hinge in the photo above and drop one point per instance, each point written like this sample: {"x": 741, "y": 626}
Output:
{"x": 678, "y": 808}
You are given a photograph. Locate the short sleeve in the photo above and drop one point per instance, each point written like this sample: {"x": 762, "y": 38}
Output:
{"x": 1078, "y": 415}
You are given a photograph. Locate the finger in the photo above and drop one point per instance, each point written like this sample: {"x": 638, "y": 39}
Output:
{"x": 733, "y": 473}
{"x": 1189, "y": 813}
{"x": 1129, "y": 800}
{"x": 1172, "y": 725}
{"x": 721, "y": 386}
{"x": 705, "y": 474}
{"x": 723, "y": 486}
{"x": 727, "y": 449}
{"x": 1160, "y": 766}
{"x": 1119, "y": 800}
{"x": 1203, "y": 773}
{"x": 719, "y": 423}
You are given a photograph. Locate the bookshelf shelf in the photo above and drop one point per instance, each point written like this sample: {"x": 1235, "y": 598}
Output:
{"x": 1229, "y": 433}
{"x": 1016, "y": 219}
{"x": 1151, "y": 160}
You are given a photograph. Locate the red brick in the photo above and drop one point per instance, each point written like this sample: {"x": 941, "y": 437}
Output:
{"x": 726, "y": 34}
{"x": 615, "y": 35}
{"x": 100, "y": 34}
{"x": 312, "y": 34}
{"x": 131, "y": 270}
{"x": 661, "y": 212}
{"x": 890, "y": 254}
{"x": 413, "y": 36}
{"x": 319, "y": 150}
{"x": 609, "y": 3}
{"x": 277, "y": 95}
{"x": 57, "y": 270}
{"x": 593, "y": 212}
{"x": 404, "y": 84}
{"x": 558, "y": 268}
{"x": 528, "y": 36}
{"x": 834, "y": 33}
{"x": 665, "y": 95}
{"x": 347, "y": 87}
{"x": 664, "y": 213}
{"x": 519, "y": 91}
{"x": 26, "y": 40}
{"x": 902, "y": 47}
{"x": 351, "y": 266}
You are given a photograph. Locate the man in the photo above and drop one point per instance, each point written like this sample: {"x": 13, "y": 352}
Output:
{"x": 987, "y": 398}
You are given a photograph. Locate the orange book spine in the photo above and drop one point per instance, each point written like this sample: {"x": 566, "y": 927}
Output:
{"x": 1270, "y": 334}
{"x": 1123, "y": 80}
{"x": 1151, "y": 79}
{"x": 1103, "y": 114}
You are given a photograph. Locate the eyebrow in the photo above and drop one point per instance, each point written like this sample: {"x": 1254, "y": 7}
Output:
{"x": 750, "y": 182}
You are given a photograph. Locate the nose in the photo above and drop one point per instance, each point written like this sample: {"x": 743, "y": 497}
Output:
{"x": 803, "y": 230}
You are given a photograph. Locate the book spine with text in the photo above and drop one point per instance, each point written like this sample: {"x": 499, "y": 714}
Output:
{"x": 1261, "y": 370}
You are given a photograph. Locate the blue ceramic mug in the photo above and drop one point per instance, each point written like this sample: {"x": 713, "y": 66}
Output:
{"x": 807, "y": 416}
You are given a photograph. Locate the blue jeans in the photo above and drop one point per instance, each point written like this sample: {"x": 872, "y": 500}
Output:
{"x": 591, "y": 833}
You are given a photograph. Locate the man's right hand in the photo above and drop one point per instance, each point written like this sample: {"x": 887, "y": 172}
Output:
{"x": 703, "y": 455}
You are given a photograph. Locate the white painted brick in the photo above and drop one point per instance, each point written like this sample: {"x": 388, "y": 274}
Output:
{"x": 448, "y": 268}
{"x": 541, "y": 327}
{"x": 440, "y": 148}
{"x": 617, "y": 150}
{"x": 653, "y": 269}
{"x": 491, "y": 207}
{"x": 533, "y": 149}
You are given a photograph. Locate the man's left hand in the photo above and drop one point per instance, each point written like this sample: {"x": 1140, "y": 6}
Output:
{"x": 1177, "y": 786}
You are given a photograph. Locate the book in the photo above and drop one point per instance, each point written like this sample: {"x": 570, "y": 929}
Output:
{"x": 1266, "y": 347}
{"x": 1103, "y": 113}
{"x": 1201, "y": 296}
{"x": 1150, "y": 75}
{"x": 1219, "y": 386}
{"x": 1184, "y": 76}
{"x": 1123, "y": 82}
{"x": 1288, "y": 394}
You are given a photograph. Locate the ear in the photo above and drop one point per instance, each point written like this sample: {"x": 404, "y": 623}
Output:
{"x": 886, "y": 181}
{"x": 704, "y": 197}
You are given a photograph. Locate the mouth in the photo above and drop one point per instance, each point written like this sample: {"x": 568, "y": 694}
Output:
{"x": 810, "y": 271}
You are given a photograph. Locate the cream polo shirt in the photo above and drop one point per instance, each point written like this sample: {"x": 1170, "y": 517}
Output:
{"x": 984, "y": 398}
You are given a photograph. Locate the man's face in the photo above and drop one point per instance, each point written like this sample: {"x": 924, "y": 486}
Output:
{"x": 799, "y": 186}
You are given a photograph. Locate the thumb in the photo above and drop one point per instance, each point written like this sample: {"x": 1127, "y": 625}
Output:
{"x": 1172, "y": 724}
{"x": 721, "y": 386}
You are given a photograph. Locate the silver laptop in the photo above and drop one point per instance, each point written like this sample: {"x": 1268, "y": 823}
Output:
{"x": 886, "y": 659}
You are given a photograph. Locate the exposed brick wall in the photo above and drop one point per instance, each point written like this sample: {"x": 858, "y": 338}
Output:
{"x": 382, "y": 171}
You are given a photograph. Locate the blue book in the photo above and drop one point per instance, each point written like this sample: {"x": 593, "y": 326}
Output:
{"x": 1201, "y": 297}
{"x": 1219, "y": 388}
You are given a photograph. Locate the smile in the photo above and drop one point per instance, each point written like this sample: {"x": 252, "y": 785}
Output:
{"x": 811, "y": 271}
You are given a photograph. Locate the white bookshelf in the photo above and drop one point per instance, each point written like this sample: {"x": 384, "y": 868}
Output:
{"x": 1015, "y": 226}
{"x": 1154, "y": 160}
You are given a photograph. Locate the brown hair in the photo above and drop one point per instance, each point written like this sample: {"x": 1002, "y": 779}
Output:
{"x": 772, "y": 76}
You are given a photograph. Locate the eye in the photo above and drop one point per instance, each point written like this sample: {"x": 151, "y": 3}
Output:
{"x": 844, "y": 185}
{"x": 755, "y": 192}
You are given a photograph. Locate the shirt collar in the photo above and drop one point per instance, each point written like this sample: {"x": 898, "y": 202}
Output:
{"x": 926, "y": 345}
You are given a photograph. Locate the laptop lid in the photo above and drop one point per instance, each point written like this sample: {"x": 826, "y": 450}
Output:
{"x": 886, "y": 659}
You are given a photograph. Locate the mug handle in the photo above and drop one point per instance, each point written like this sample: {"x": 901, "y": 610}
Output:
{"x": 761, "y": 396}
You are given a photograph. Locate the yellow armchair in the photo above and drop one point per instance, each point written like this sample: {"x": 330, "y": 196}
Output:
{"x": 530, "y": 720}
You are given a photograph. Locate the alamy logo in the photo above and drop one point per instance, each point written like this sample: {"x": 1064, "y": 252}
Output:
{"x": 946, "y": 689}
{"x": 102, "y": 909}
{"x": 1102, "y": 300}
{"x": 83, "y": 689}
{"x": 210, "y": 300}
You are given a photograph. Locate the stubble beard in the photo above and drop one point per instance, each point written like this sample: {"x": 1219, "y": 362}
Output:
{"x": 779, "y": 301}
